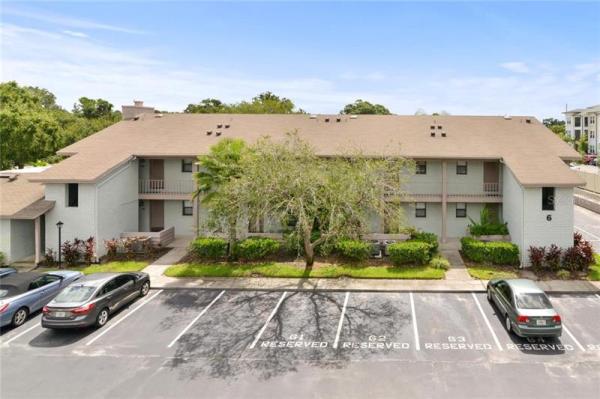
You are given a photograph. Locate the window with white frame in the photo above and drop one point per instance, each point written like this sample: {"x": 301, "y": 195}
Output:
{"x": 187, "y": 208}
{"x": 461, "y": 167}
{"x": 421, "y": 210}
{"x": 187, "y": 165}
{"x": 461, "y": 210}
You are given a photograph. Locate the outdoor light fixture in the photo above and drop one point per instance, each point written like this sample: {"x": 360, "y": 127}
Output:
{"x": 59, "y": 225}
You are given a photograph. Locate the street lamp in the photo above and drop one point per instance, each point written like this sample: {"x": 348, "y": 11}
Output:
{"x": 59, "y": 225}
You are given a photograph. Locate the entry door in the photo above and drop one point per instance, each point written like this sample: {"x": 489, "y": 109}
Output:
{"x": 491, "y": 177}
{"x": 157, "y": 174}
{"x": 157, "y": 215}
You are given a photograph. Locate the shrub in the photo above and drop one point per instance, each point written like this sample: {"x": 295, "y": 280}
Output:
{"x": 409, "y": 252}
{"x": 487, "y": 225}
{"x": 578, "y": 258}
{"x": 536, "y": 256}
{"x": 429, "y": 238}
{"x": 71, "y": 251}
{"x": 209, "y": 247}
{"x": 2, "y": 258}
{"x": 49, "y": 257}
{"x": 496, "y": 252}
{"x": 440, "y": 263}
{"x": 88, "y": 250}
{"x": 254, "y": 248}
{"x": 354, "y": 249}
{"x": 553, "y": 257}
{"x": 111, "y": 247}
{"x": 563, "y": 274}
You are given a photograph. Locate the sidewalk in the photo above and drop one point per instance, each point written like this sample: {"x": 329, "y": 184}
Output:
{"x": 159, "y": 280}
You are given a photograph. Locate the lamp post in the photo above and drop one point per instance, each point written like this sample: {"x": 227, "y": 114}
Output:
{"x": 59, "y": 225}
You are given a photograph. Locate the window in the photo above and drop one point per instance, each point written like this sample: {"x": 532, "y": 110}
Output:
{"x": 421, "y": 168}
{"x": 420, "y": 210}
{"x": 461, "y": 167}
{"x": 547, "y": 198}
{"x": 256, "y": 224}
{"x": 187, "y": 208}
{"x": 42, "y": 281}
{"x": 461, "y": 210}
{"x": 186, "y": 165}
{"x": 585, "y": 121}
{"x": 577, "y": 121}
{"x": 72, "y": 195}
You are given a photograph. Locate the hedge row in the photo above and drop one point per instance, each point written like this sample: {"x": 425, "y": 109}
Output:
{"x": 496, "y": 252}
{"x": 410, "y": 252}
{"x": 577, "y": 258}
{"x": 355, "y": 250}
{"x": 253, "y": 248}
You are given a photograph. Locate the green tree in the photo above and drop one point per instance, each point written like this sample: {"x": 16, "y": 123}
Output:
{"x": 326, "y": 198}
{"x": 361, "y": 107}
{"x": 91, "y": 109}
{"x": 264, "y": 103}
{"x": 207, "y": 106}
{"x": 558, "y": 128}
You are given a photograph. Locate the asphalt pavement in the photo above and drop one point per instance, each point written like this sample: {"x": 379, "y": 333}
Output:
{"x": 254, "y": 344}
{"x": 587, "y": 223}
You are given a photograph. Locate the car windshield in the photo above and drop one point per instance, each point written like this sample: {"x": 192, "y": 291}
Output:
{"x": 533, "y": 301}
{"x": 75, "y": 293}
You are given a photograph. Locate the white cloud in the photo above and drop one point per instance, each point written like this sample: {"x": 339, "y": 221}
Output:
{"x": 66, "y": 21}
{"x": 71, "y": 67}
{"x": 80, "y": 35}
{"x": 516, "y": 67}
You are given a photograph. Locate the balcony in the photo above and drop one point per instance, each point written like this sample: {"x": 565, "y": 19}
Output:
{"x": 166, "y": 189}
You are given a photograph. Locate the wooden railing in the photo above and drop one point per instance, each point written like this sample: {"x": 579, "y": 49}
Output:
{"x": 166, "y": 186}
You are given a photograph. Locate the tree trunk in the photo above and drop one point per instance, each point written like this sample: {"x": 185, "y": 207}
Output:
{"x": 309, "y": 251}
{"x": 232, "y": 238}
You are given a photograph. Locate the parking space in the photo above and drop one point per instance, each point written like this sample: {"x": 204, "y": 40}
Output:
{"x": 192, "y": 335}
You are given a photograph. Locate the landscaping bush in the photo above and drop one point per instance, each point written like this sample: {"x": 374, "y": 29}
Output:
{"x": 429, "y": 238}
{"x": 563, "y": 274}
{"x": 578, "y": 258}
{"x": 111, "y": 247}
{"x": 71, "y": 251}
{"x": 496, "y": 252}
{"x": 2, "y": 258}
{"x": 209, "y": 247}
{"x": 553, "y": 257}
{"x": 440, "y": 263}
{"x": 536, "y": 256}
{"x": 88, "y": 250}
{"x": 254, "y": 248}
{"x": 355, "y": 250}
{"x": 487, "y": 225}
{"x": 409, "y": 252}
{"x": 49, "y": 257}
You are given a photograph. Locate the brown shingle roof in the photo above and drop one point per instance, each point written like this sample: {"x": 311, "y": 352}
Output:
{"x": 18, "y": 194}
{"x": 531, "y": 151}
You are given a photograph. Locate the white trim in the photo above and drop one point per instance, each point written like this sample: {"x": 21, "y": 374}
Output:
{"x": 262, "y": 330}
{"x": 341, "y": 322}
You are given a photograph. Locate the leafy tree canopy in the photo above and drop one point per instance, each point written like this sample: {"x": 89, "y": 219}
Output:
{"x": 264, "y": 103}
{"x": 361, "y": 107}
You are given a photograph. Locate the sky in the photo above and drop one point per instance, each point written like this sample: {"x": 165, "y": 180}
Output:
{"x": 465, "y": 58}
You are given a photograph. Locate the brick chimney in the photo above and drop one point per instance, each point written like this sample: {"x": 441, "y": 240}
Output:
{"x": 131, "y": 111}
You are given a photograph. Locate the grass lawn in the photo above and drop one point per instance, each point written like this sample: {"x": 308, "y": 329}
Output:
{"x": 594, "y": 274}
{"x": 116, "y": 266}
{"x": 487, "y": 272}
{"x": 274, "y": 269}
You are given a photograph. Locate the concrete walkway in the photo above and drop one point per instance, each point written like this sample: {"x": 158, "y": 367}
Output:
{"x": 457, "y": 271}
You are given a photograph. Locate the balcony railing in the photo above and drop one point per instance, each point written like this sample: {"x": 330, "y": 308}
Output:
{"x": 166, "y": 187}
{"x": 491, "y": 188}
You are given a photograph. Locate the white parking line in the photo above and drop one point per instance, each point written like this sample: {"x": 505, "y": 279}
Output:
{"x": 414, "y": 322}
{"x": 195, "y": 319}
{"x": 22, "y": 333}
{"x": 487, "y": 322}
{"x": 116, "y": 323}
{"x": 587, "y": 232}
{"x": 573, "y": 338}
{"x": 339, "y": 329}
{"x": 273, "y": 313}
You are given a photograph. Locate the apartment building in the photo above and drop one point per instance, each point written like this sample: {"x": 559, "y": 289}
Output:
{"x": 136, "y": 177}
{"x": 583, "y": 122}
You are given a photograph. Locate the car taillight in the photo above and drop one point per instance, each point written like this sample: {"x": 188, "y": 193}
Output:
{"x": 45, "y": 310}
{"x": 522, "y": 319}
{"x": 556, "y": 319}
{"x": 85, "y": 309}
{"x": 3, "y": 307}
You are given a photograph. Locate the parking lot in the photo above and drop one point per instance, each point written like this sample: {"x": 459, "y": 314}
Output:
{"x": 211, "y": 343}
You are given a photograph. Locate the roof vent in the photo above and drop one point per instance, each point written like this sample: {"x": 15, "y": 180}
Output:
{"x": 208, "y": 132}
{"x": 217, "y": 133}
{"x": 326, "y": 119}
{"x": 220, "y": 125}
{"x": 527, "y": 120}
{"x": 338, "y": 119}
{"x": 353, "y": 116}
{"x": 439, "y": 127}
{"x": 432, "y": 127}
{"x": 227, "y": 126}
{"x": 443, "y": 134}
{"x": 313, "y": 116}
{"x": 432, "y": 134}
{"x": 507, "y": 117}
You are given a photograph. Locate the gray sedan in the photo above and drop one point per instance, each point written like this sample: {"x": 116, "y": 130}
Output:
{"x": 24, "y": 293}
{"x": 91, "y": 300}
{"x": 526, "y": 309}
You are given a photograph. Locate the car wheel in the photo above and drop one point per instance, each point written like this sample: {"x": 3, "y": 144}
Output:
{"x": 507, "y": 323}
{"x": 102, "y": 317}
{"x": 145, "y": 288}
{"x": 20, "y": 317}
